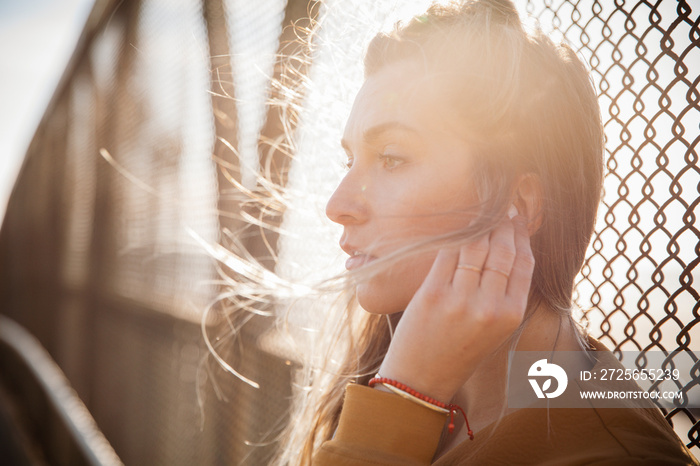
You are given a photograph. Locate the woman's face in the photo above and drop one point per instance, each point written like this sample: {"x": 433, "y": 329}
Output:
{"x": 407, "y": 180}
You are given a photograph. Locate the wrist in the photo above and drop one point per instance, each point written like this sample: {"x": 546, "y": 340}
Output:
{"x": 425, "y": 383}
{"x": 417, "y": 397}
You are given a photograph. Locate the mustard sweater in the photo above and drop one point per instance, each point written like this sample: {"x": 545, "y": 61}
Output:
{"x": 377, "y": 427}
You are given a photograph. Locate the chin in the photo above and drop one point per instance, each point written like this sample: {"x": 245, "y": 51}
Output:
{"x": 385, "y": 297}
{"x": 376, "y": 306}
{"x": 391, "y": 291}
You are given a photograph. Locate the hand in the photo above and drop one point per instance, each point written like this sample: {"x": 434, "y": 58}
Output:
{"x": 470, "y": 302}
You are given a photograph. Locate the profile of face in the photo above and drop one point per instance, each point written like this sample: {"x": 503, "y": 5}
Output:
{"x": 408, "y": 175}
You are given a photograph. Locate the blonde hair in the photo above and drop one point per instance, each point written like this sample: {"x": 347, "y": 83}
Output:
{"x": 529, "y": 108}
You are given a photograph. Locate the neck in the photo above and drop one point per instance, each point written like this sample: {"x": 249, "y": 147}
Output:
{"x": 545, "y": 330}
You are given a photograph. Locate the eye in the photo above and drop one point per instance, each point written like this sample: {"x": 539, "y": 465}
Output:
{"x": 390, "y": 162}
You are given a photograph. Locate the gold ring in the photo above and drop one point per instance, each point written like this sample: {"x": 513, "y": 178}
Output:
{"x": 469, "y": 267}
{"x": 493, "y": 269}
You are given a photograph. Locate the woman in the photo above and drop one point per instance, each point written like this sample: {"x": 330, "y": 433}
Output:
{"x": 475, "y": 158}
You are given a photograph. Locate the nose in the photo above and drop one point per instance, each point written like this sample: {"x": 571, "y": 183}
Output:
{"x": 348, "y": 204}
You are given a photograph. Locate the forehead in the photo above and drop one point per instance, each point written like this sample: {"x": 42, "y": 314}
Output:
{"x": 403, "y": 93}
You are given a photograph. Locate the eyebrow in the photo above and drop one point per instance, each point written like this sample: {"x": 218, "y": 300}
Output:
{"x": 372, "y": 134}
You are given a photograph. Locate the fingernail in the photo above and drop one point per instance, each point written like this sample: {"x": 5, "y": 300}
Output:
{"x": 512, "y": 211}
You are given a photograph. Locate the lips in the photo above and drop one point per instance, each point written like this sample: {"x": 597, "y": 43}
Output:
{"x": 357, "y": 257}
{"x": 358, "y": 260}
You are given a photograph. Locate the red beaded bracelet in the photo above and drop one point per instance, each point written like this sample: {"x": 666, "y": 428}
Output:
{"x": 451, "y": 408}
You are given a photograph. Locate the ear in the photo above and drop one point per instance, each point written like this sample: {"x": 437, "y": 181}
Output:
{"x": 528, "y": 200}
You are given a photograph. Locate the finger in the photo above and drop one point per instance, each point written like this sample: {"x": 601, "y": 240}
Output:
{"x": 471, "y": 263}
{"x": 499, "y": 262}
{"x": 443, "y": 267}
{"x": 524, "y": 264}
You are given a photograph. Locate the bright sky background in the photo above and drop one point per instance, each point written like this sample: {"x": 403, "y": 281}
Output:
{"x": 37, "y": 38}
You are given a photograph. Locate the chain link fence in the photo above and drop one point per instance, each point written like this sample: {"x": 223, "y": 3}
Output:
{"x": 638, "y": 285}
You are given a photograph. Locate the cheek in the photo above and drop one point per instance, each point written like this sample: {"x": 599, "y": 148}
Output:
{"x": 391, "y": 291}
{"x": 403, "y": 217}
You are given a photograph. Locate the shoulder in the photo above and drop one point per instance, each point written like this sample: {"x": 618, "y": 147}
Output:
{"x": 633, "y": 432}
{"x": 628, "y": 435}
{"x": 576, "y": 436}
{"x": 597, "y": 435}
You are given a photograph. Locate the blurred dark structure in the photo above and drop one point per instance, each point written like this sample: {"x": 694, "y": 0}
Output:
{"x": 95, "y": 262}
{"x": 96, "y": 266}
{"x": 42, "y": 420}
